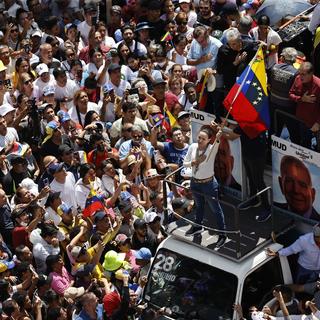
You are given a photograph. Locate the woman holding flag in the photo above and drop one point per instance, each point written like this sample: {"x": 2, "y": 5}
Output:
{"x": 204, "y": 186}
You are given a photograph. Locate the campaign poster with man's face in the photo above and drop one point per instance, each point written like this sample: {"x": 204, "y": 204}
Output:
{"x": 295, "y": 179}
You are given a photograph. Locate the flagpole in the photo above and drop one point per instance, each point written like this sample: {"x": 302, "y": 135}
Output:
{"x": 240, "y": 88}
{"x": 234, "y": 99}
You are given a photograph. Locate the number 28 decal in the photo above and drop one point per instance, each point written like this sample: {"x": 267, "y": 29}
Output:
{"x": 164, "y": 263}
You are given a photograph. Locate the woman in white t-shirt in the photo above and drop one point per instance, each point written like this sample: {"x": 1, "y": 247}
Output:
{"x": 179, "y": 52}
{"x": 81, "y": 106}
{"x": 96, "y": 61}
{"x": 264, "y": 33}
{"x": 106, "y": 40}
{"x": 187, "y": 7}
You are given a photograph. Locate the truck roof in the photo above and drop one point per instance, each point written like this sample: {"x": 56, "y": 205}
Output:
{"x": 222, "y": 262}
{"x": 243, "y": 242}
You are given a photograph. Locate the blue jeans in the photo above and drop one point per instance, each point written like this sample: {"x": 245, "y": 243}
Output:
{"x": 305, "y": 276}
{"x": 203, "y": 192}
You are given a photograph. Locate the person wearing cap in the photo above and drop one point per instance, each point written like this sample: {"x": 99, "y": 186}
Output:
{"x": 54, "y": 138}
{"x": 44, "y": 79}
{"x": 8, "y": 135}
{"x": 70, "y": 161}
{"x": 153, "y": 14}
{"x": 63, "y": 182}
{"x": 154, "y": 223}
{"x": 90, "y": 10}
{"x": 143, "y": 33}
{"x": 142, "y": 237}
{"x": 114, "y": 21}
{"x": 80, "y": 256}
{"x": 8, "y": 113}
{"x": 119, "y": 85}
{"x": 186, "y": 7}
{"x": 282, "y": 76}
{"x": 123, "y": 244}
{"x": 308, "y": 248}
{"x": 23, "y": 224}
{"x": 64, "y": 119}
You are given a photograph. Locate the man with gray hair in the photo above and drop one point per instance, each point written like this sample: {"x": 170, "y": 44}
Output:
{"x": 234, "y": 56}
{"x": 281, "y": 79}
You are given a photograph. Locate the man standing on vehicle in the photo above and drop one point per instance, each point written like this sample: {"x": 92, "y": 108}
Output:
{"x": 308, "y": 247}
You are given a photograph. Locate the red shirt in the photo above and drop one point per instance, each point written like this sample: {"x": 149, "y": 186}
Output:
{"x": 20, "y": 236}
{"x": 308, "y": 113}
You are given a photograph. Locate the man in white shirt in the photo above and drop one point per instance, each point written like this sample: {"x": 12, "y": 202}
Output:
{"x": 119, "y": 85}
{"x": 8, "y": 135}
{"x": 63, "y": 182}
{"x": 128, "y": 38}
{"x": 45, "y": 79}
{"x": 307, "y": 246}
{"x": 90, "y": 10}
{"x": 65, "y": 88}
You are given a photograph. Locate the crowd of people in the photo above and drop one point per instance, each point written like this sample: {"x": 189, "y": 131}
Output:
{"x": 95, "y": 110}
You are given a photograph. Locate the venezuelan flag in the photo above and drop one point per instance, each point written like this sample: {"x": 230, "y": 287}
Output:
{"x": 172, "y": 119}
{"x": 166, "y": 37}
{"x": 93, "y": 204}
{"x": 247, "y": 101}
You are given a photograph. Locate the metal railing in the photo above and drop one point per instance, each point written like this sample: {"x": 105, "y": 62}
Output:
{"x": 235, "y": 211}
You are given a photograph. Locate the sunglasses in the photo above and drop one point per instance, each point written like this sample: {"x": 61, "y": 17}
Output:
{"x": 137, "y": 136}
{"x": 28, "y": 81}
{"x": 127, "y": 130}
{"x": 14, "y": 30}
{"x": 182, "y": 23}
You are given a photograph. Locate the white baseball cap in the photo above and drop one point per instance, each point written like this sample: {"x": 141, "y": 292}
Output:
{"x": 5, "y": 109}
{"x": 42, "y": 68}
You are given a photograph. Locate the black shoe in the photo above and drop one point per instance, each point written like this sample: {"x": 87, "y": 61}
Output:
{"x": 194, "y": 230}
{"x": 255, "y": 202}
{"x": 263, "y": 216}
{"x": 221, "y": 241}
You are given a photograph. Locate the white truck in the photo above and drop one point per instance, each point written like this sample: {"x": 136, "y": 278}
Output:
{"x": 194, "y": 281}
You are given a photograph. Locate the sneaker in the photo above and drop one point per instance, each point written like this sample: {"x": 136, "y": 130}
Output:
{"x": 194, "y": 230}
{"x": 263, "y": 216}
{"x": 255, "y": 202}
{"x": 221, "y": 241}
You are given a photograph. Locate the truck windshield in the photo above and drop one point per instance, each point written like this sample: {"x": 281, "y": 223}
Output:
{"x": 189, "y": 288}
